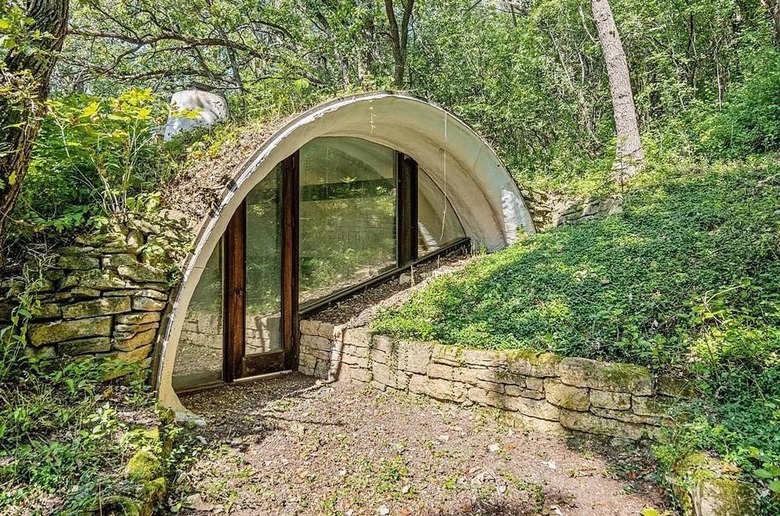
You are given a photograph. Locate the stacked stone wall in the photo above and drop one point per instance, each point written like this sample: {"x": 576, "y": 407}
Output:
{"x": 549, "y": 210}
{"x": 102, "y": 297}
{"x": 544, "y": 390}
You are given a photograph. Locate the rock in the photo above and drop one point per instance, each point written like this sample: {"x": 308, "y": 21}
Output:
{"x": 143, "y": 466}
{"x": 45, "y": 311}
{"x": 131, "y": 357}
{"x": 534, "y": 408}
{"x": 591, "y": 424}
{"x": 84, "y": 293}
{"x": 606, "y": 376}
{"x": 78, "y": 262}
{"x": 457, "y": 374}
{"x": 135, "y": 239}
{"x": 132, "y": 329}
{"x": 84, "y": 346}
{"x": 703, "y": 489}
{"x": 138, "y": 318}
{"x": 93, "y": 279}
{"x": 142, "y": 273}
{"x": 61, "y": 331}
{"x": 42, "y": 353}
{"x": 147, "y": 304}
{"x": 113, "y": 261}
{"x": 525, "y": 363}
{"x": 486, "y": 398}
{"x": 645, "y": 406}
{"x": 514, "y": 390}
{"x": 97, "y": 307}
{"x": 405, "y": 279}
{"x": 627, "y": 416}
{"x": 414, "y": 357}
{"x": 136, "y": 341}
{"x": 566, "y": 396}
{"x": 439, "y": 389}
{"x": 610, "y": 400}
{"x": 359, "y": 337}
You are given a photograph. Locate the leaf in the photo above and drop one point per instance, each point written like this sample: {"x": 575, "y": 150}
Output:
{"x": 774, "y": 486}
{"x": 650, "y": 512}
{"x": 91, "y": 110}
{"x": 762, "y": 473}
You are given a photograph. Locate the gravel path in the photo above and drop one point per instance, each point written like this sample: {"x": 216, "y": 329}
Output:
{"x": 290, "y": 446}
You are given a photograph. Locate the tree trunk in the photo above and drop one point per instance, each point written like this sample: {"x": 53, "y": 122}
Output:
{"x": 399, "y": 37}
{"x": 22, "y": 104}
{"x": 629, "y": 158}
{"x": 773, "y": 7}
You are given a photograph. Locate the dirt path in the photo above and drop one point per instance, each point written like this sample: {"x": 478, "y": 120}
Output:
{"x": 286, "y": 446}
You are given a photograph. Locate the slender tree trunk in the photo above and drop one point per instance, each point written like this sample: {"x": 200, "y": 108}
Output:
{"x": 773, "y": 7}
{"x": 399, "y": 36}
{"x": 629, "y": 157}
{"x": 26, "y": 79}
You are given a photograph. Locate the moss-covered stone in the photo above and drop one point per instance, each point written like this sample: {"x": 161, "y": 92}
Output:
{"x": 136, "y": 341}
{"x": 96, "y": 307}
{"x": 528, "y": 363}
{"x": 77, "y": 262}
{"x": 61, "y": 331}
{"x": 702, "y": 489}
{"x": 606, "y": 376}
{"x": 592, "y": 424}
{"x": 566, "y": 396}
{"x": 610, "y": 400}
{"x": 143, "y": 466}
{"x": 84, "y": 346}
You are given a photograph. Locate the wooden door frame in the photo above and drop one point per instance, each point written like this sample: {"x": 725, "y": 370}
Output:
{"x": 236, "y": 363}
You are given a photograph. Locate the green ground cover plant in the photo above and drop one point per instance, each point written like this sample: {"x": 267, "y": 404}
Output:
{"x": 685, "y": 280}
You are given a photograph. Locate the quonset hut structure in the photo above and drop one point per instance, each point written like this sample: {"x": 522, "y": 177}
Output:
{"x": 344, "y": 194}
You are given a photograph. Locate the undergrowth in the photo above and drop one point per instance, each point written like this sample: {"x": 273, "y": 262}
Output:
{"x": 685, "y": 280}
{"x": 63, "y": 428}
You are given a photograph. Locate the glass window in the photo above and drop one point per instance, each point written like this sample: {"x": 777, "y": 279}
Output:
{"x": 437, "y": 224}
{"x": 199, "y": 355}
{"x": 264, "y": 265}
{"x": 347, "y": 211}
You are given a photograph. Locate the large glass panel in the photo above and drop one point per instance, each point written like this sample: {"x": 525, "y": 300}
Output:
{"x": 348, "y": 204}
{"x": 437, "y": 223}
{"x": 199, "y": 355}
{"x": 263, "y": 265}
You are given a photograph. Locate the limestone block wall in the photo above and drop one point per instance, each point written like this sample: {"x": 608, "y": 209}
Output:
{"x": 549, "y": 210}
{"x": 543, "y": 390}
{"x": 103, "y": 296}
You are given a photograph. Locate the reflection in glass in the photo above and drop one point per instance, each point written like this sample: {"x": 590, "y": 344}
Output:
{"x": 199, "y": 355}
{"x": 437, "y": 223}
{"x": 263, "y": 265}
{"x": 347, "y": 210}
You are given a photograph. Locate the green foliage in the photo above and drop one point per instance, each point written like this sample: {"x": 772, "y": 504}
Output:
{"x": 749, "y": 121}
{"x": 689, "y": 262}
{"x": 59, "y": 426}
{"x": 686, "y": 279}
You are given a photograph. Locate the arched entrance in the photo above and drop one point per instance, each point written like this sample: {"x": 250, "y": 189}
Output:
{"x": 347, "y": 192}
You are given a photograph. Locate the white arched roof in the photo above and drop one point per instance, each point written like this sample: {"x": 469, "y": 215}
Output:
{"x": 478, "y": 185}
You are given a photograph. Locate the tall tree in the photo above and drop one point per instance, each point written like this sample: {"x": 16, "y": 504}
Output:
{"x": 629, "y": 157}
{"x": 24, "y": 87}
{"x": 773, "y": 7}
{"x": 399, "y": 37}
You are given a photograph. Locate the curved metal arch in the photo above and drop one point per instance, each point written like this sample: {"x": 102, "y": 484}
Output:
{"x": 479, "y": 186}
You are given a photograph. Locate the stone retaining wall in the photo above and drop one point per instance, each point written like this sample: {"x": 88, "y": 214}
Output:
{"x": 549, "y": 210}
{"x": 543, "y": 390}
{"x": 103, "y": 296}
